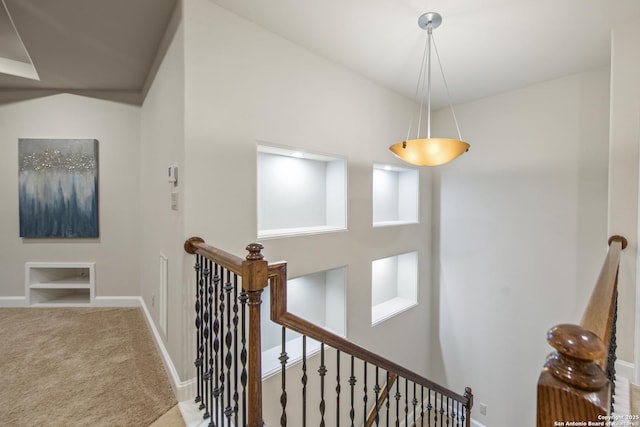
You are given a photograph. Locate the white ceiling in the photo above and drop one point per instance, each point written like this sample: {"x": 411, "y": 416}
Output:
{"x": 486, "y": 46}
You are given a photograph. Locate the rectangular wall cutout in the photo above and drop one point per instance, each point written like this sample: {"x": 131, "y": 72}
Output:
{"x": 299, "y": 192}
{"x": 395, "y": 195}
{"x": 394, "y": 286}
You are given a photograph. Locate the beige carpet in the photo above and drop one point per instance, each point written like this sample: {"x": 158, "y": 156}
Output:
{"x": 634, "y": 399}
{"x": 80, "y": 367}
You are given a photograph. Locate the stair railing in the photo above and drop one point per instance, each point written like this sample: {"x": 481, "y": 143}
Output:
{"x": 229, "y": 358}
{"x": 577, "y": 382}
{"x": 440, "y": 403}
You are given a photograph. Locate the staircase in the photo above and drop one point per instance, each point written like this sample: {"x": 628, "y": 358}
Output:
{"x": 335, "y": 382}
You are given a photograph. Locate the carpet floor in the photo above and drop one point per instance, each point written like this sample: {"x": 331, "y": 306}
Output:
{"x": 80, "y": 367}
{"x": 634, "y": 399}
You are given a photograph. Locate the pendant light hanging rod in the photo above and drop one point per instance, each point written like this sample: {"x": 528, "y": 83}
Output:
{"x": 429, "y": 38}
{"x": 446, "y": 86}
{"x": 428, "y": 22}
{"x": 419, "y": 89}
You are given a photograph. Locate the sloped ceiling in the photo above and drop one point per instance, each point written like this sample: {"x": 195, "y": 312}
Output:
{"x": 106, "y": 45}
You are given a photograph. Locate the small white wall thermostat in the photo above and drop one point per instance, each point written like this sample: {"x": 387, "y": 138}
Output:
{"x": 173, "y": 180}
{"x": 173, "y": 175}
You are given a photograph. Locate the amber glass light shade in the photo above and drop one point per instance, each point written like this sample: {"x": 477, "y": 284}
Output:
{"x": 429, "y": 151}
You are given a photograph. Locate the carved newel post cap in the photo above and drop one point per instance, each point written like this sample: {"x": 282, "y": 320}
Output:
{"x": 574, "y": 361}
{"x": 469, "y": 395}
{"x": 255, "y": 251}
{"x": 575, "y": 341}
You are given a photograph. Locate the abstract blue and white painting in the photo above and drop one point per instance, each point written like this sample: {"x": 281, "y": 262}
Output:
{"x": 58, "y": 192}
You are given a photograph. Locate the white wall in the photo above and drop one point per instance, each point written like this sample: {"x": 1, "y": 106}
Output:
{"x": 522, "y": 219}
{"x": 623, "y": 178}
{"x": 162, "y": 229}
{"x": 116, "y": 126}
{"x": 245, "y": 85}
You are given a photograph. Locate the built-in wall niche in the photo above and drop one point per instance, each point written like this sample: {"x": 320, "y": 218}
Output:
{"x": 318, "y": 298}
{"x": 395, "y": 195}
{"x": 300, "y": 192}
{"x": 59, "y": 283}
{"x": 394, "y": 285}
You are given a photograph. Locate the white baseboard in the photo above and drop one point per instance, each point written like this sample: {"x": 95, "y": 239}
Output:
{"x": 184, "y": 390}
{"x": 13, "y": 302}
{"x": 6, "y": 302}
{"x": 116, "y": 302}
{"x": 626, "y": 370}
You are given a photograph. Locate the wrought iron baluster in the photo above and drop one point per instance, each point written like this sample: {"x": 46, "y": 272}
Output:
{"x": 388, "y": 399}
{"x": 322, "y": 371}
{"x": 206, "y": 272}
{"x": 304, "y": 381}
{"x": 611, "y": 359}
{"x": 376, "y": 391}
{"x": 219, "y": 271}
{"x": 352, "y": 384}
{"x": 364, "y": 392}
{"x": 421, "y": 406}
{"x": 441, "y": 411}
{"x": 415, "y": 403}
{"x": 448, "y": 411}
{"x": 236, "y": 396}
{"x": 219, "y": 343}
{"x": 283, "y": 362}
{"x": 199, "y": 348}
{"x": 397, "y": 397}
{"x": 406, "y": 402}
{"x": 435, "y": 408}
{"x": 337, "y": 388}
{"x": 243, "y": 354}
{"x": 215, "y": 271}
{"x": 228, "y": 411}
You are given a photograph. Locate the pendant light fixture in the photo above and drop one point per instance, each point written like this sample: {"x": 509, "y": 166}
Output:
{"x": 429, "y": 151}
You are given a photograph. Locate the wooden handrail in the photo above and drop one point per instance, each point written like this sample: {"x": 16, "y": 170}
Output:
{"x": 196, "y": 245}
{"x": 279, "y": 314}
{"x": 256, "y": 274}
{"x": 598, "y": 316}
{"x": 574, "y": 383}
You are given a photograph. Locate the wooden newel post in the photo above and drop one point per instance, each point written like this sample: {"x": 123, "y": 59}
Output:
{"x": 469, "y": 395}
{"x": 254, "y": 280}
{"x": 571, "y": 375}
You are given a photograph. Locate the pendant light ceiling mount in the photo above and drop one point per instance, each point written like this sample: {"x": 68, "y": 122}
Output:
{"x": 429, "y": 151}
{"x": 430, "y": 17}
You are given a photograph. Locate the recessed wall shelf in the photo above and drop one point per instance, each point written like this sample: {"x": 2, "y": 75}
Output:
{"x": 317, "y": 297}
{"x": 59, "y": 283}
{"x": 395, "y": 195}
{"x": 300, "y": 192}
{"x": 394, "y": 286}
